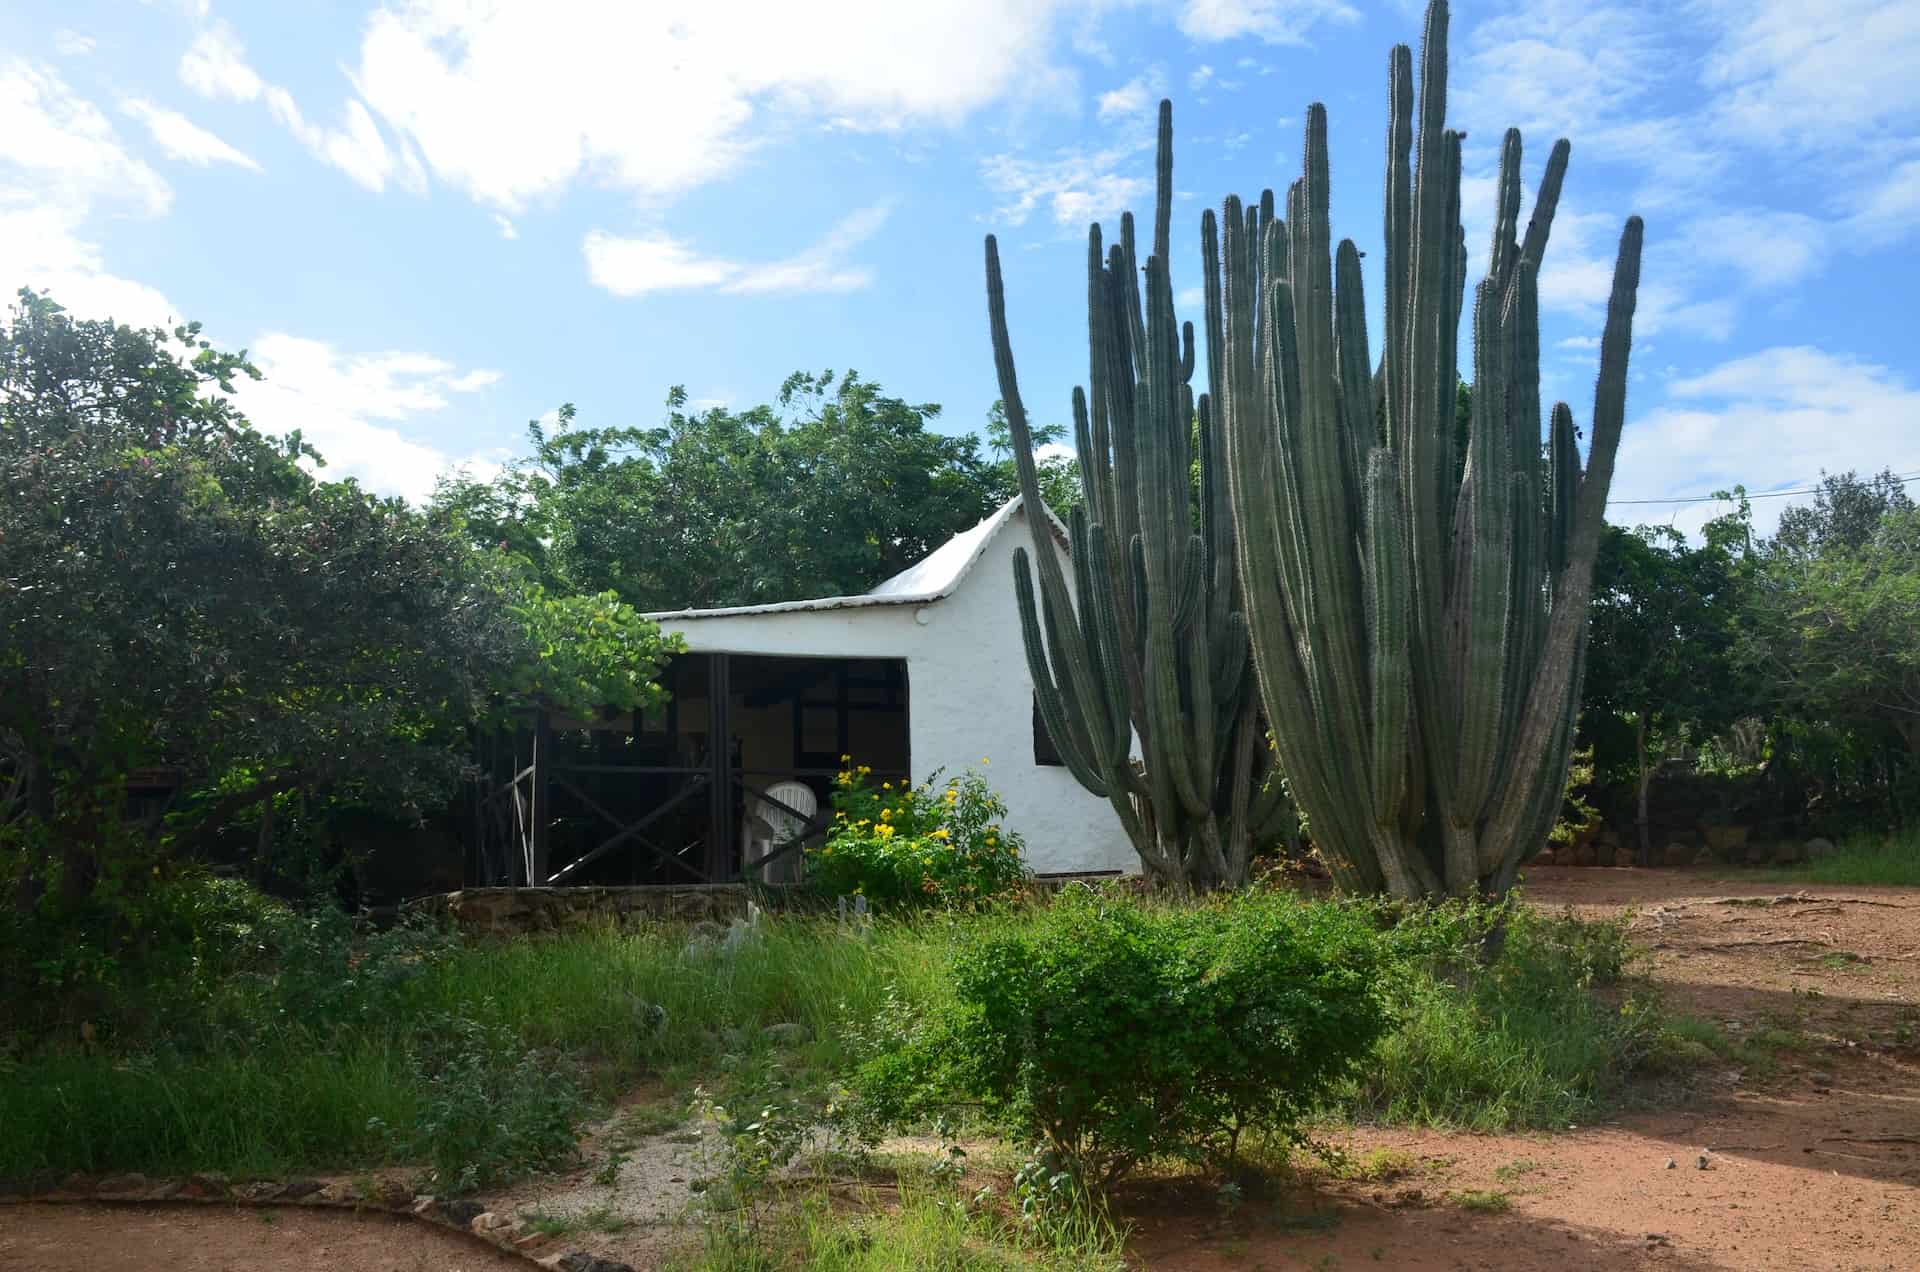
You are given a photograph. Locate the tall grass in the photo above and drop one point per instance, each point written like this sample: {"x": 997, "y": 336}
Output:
{"x": 336, "y": 1051}
{"x": 1887, "y": 861}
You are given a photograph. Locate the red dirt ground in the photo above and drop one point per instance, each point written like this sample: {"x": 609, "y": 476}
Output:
{"x": 1816, "y": 1165}
{"x": 206, "y": 1238}
{"x": 1812, "y": 1165}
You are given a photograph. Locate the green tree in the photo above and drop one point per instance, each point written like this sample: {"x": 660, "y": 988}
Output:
{"x": 1832, "y": 630}
{"x": 827, "y": 492}
{"x": 178, "y": 591}
{"x": 1660, "y": 670}
{"x": 1059, "y": 475}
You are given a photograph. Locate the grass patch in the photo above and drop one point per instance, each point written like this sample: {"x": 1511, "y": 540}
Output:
{"x": 1886, "y": 861}
{"x": 1539, "y": 1039}
{"x": 1380, "y": 1166}
{"x": 1483, "y": 1201}
{"x": 929, "y": 1229}
{"x": 296, "y": 1043}
{"x": 601, "y": 1219}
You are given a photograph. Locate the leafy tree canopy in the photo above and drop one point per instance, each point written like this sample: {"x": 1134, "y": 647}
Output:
{"x": 827, "y": 491}
{"x": 177, "y": 590}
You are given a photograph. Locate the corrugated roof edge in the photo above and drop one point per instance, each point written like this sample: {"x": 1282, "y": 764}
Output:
{"x": 985, "y": 531}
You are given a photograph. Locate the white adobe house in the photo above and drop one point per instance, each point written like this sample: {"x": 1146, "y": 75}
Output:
{"x": 927, "y": 672}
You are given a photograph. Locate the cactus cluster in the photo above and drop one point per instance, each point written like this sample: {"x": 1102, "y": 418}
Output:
{"x": 1153, "y": 659}
{"x": 1416, "y": 623}
{"x": 1418, "y": 627}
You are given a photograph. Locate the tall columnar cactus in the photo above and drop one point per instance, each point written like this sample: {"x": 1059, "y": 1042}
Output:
{"x": 1418, "y": 638}
{"x": 1149, "y": 644}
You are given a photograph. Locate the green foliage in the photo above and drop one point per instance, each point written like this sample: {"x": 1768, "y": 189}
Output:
{"x": 1830, "y": 629}
{"x": 1873, "y": 860}
{"x": 1058, "y": 474}
{"x": 937, "y": 844}
{"x": 1519, "y": 1042}
{"x": 1116, "y": 1031}
{"x": 585, "y": 654}
{"x": 826, "y": 492}
{"x": 491, "y": 1107}
{"x": 178, "y": 592}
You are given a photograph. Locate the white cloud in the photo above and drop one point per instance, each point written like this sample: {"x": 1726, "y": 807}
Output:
{"x": 1199, "y": 78}
{"x": 72, "y": 43}
{"x": 1132, "y": 99}
{"x": 517, "y": 100}
{"x": 183, "y": 139}
{"x": 215, "y": 65}
{"x": 1190, "y": 297}
{"x": 66, "y": 149}
{"x": 42, "y": 247}
{"x": 659, "y": 262}
{"x": 1275, "y": 21}
{"x": 354, "y": 408}
{"x": 62, "y": 166}
{"x": 1767, "y": 249}
{"x": 506, "y": 227}
{"x": 1771, "y": 420}
{"x": 1891, "y": 208}
{"x": 1777, "y": 76}
{"x": 1077, "y": 187}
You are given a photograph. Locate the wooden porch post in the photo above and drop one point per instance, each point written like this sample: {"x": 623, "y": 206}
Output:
{"x": 541, "y": 810}
{"x": 720, "y": 839}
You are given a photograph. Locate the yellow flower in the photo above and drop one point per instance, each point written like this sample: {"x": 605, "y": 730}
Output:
{"x": 953, "y": 794}
{"x": 846, "y": 759}
{"x": 864, "y": 769}
{"x": 941, "y": 833}
{"x": 886, "y": 814}
{"x": 985, "y": 760}
{"x": 886, "y": 786}
{"x": 885, "y": 832}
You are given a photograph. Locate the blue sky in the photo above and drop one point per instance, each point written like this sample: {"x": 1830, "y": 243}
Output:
{"x": 432, "y": 222}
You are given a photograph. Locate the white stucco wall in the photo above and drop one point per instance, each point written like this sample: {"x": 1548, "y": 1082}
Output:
{"x": 969, "y": 692}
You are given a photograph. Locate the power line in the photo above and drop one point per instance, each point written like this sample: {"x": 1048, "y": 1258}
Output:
{"x": 1765, "y": 494}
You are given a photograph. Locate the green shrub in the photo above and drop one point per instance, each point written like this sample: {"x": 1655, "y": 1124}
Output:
{"x": 1115, "y": 1030}
{"x": 939, "y": 843}
{"x": 1537, "y": 1037}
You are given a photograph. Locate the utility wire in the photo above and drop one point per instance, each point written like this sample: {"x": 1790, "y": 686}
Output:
{"x": 1903, "y": 480}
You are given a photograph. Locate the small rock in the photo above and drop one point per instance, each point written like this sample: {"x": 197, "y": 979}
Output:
{"x": 787, "y": 1034}
{"x": 463, "y": 1211}
{"x": 425, "y": 1206}
{"x": 1672, "y": 1165}
{"x": 531, "y": 1240}
{"x": 259, "y": 1190}
{"x": 129, "y": 1185}
{"x": 298, "y": 1188}
{"x": 1701, "y": 1162}
{"x": 204, "y": 1184}
{"x": 487, "y": 1221}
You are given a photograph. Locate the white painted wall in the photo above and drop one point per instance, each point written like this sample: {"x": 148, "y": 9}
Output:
{"x": 969, "y": 692}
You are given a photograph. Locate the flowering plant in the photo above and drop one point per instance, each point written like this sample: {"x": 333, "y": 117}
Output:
{"x": 938, "y": 843}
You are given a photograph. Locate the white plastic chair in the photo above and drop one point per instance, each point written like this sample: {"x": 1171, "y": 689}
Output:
{"x": 769, "y": 826}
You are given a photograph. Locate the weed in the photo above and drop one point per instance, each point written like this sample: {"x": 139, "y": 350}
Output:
{"x": 1517, "y": 1169}
{"x": 601, "y": 1219}
{"x": 1483, "y": 1201}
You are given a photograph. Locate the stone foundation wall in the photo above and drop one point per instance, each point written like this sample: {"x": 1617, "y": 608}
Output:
{"x": 522, "y": 911}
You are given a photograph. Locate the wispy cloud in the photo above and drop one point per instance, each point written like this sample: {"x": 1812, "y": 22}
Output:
{"x": 1274, "y": 21}
{"x": 1075, "y": 186}
{"x": 183, "y": 139}
{"x": 1769, "y": 420}
{"x": 215, "y": 66}
{"x": 1134, "y": 98}
{"x": 655, "y": 262}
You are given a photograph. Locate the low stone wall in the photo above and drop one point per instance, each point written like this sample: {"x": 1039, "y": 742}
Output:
{"x": 522, "y": 911}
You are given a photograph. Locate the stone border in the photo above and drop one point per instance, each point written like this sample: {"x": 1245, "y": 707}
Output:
{"x": 469, "y": 1218}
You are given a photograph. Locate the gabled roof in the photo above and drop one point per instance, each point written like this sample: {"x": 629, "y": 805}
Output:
{"x": 934, "y": 577}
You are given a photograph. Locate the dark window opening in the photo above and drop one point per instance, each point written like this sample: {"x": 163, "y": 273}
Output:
{"x": 1044, "y": 751}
